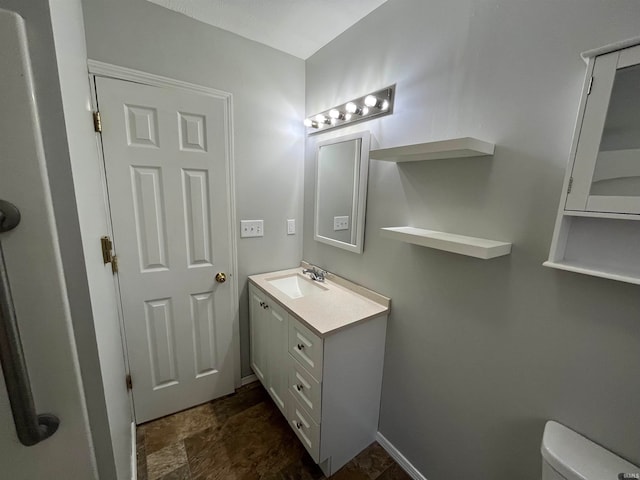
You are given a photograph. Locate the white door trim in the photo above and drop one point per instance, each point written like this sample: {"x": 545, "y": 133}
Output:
{"x": 123, "y": 73}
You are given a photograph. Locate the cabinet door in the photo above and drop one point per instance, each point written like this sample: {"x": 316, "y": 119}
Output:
{"x": 606, "y": 171}
{"x": 259, "y": 334}
{"x": 278, "y": 321}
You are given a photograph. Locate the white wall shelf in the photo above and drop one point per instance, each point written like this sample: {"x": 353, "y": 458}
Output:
{"x": 449, "y": 242}
{"x": 453, "y": 148}
{"x": 622, "y": 276}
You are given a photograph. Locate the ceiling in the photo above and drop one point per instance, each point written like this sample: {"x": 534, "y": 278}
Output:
{"x": 297, "y": 27}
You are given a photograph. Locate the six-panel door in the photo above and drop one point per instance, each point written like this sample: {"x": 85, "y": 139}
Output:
{"x": 166, "y": 159}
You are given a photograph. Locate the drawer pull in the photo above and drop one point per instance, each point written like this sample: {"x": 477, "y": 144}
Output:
{"x": 299, "y": 387}
{"x": 300, "y": 346}
{"x": 299, "y": 425}
{"x": 262, "y": 304}
{"x": 265, "y": 306}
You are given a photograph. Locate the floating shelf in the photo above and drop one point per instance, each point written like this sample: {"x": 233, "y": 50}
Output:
{"x": 626, "y": 276}
{"x": 454, "y": 148}
{"x": 449, "y": 242}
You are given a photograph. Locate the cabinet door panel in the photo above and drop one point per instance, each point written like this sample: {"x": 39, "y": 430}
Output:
{"x": 606, "y": 173}
{"x": 277, "y": 354}
{"x": 259, "y": 332}
{"x": 591, "y": 132}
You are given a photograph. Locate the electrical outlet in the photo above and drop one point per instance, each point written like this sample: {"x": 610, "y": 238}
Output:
{"x": 251, "y": 228}
{"x": 341, "y": 223}
{"x": 291, "y": 226}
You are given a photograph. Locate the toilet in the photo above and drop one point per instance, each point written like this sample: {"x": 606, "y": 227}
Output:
{"x": 567, "y": 455}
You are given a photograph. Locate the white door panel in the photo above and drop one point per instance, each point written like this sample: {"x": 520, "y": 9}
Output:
{"x": 166, "y": 159}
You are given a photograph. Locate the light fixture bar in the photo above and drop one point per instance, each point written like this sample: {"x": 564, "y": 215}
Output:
{"x": 372, "y": 105}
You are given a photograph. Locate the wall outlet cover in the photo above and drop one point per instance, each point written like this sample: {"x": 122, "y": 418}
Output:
{"x": 341, "y": 223}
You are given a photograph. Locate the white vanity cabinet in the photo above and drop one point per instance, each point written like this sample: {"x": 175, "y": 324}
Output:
{"x": 597, "y": 230}
{"x": 326, "y": 383}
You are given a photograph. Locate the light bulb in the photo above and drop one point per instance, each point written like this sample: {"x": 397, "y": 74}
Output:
{"x": 320, "y": 118}
{"x": 370, "y": 101}
{"x": 385, "y": 105}
{"x": 351, "y": 107}
{"x": 334, "y": 113}
{"x": 347, "y": 117}
{"x": 333, "y": 121}
{"x": 307, "y": 122}
{"x": 365, "y": 110}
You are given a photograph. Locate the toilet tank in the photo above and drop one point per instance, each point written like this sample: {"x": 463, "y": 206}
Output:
{"x": 568, "y": 455}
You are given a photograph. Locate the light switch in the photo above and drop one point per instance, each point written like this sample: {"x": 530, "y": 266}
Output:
{"x": 291, "y": 226}
{"x": 251, "y": 228}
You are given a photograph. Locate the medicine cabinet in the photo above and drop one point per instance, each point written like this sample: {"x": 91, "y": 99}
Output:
{"x": 598, "y": 229}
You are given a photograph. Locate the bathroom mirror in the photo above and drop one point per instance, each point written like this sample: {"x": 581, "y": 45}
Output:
{"x": 342, "y": 168}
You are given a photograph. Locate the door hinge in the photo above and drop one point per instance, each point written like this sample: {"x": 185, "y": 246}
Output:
{"x": 129, "y": 382}
{"x": 590, "y": 85}
{"x": 107, "y": 253}
{"x": 97, "y": 122}
{"x": 570, "y": 185}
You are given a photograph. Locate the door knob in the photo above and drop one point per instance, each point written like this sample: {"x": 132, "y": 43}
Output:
{"x": 221, "y": 277}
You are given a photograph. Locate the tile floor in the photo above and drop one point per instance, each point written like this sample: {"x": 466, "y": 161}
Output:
{"x": 241, "y": 436}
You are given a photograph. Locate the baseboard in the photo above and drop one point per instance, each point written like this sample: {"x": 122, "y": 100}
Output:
{"x": 134, "y": 453}
{"x": 248, "y": 379}
{"x": 398, "y": 457}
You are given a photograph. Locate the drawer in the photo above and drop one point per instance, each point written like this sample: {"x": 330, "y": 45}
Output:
{"x": 306, "y": 389}
{"x": 306, "y": 347}
{"x": 305, "y": 428}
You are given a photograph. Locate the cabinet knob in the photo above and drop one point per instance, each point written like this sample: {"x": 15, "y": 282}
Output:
{"x": 265, "y": 306}
{"x": 262, "y": 304}
{"x": 300, "y": 346}
{"x": 299, "y": 387}
{"x": 298, "y": 425}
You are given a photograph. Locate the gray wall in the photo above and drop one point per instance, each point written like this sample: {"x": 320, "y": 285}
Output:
{"x": 481, "y": 353}
{"x": 268, "y": 96}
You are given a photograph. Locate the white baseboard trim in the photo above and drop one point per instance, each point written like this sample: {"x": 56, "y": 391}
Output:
{"x": 134, "y": 453}
{"x": 248, "y": 379}
{"x": 398, "y": 457}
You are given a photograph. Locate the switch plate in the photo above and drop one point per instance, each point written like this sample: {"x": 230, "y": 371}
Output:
{"x": 341, "y": 223}
{"x": 291, "y": 226}
{"x": 251, "y": 228}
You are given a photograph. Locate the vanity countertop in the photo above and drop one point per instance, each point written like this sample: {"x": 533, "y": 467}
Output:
{"x": 341, "y": 303}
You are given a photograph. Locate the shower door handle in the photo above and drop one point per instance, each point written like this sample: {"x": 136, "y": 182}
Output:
{"x": 30, "y": 427}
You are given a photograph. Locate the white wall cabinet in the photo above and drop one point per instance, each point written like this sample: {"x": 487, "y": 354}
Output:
{"x": 606, "y": 169}
{"x": 597, "y": 231}
{"x": 328, "y": 386}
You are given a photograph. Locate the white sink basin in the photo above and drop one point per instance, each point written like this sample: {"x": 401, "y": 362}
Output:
{"x": 296, "y": 285}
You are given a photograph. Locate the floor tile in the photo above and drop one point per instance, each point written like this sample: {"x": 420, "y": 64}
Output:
{"x": 373, "y": 460}
{"x": 165, "y": 461}
{"x": 242, "y": 436}
{"x": 181, "y": 473}
{"x": 174, "y": 428}
{"x": 394, "y": 472}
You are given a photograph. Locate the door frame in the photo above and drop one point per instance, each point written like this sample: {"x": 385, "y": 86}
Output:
{"x": 101, "y": 69}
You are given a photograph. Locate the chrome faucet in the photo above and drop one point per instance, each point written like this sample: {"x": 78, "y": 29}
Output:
{"x": 315, "y": 274}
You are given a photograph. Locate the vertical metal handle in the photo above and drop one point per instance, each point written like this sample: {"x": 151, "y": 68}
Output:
{"x": 30, "y": 427}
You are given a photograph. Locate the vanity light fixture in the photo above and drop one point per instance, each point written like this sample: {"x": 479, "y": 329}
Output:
{"x": 375, "y": 104}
